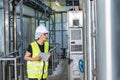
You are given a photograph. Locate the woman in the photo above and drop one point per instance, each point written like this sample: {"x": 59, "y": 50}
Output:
{"x": 37, "y": 69}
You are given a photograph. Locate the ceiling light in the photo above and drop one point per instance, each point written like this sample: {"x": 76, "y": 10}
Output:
{"x": 57, "y": 3}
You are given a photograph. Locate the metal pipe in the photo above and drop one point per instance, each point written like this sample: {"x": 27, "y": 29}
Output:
{"x": 9, "y": 73}
{"x": 84, "y": 39}
{"x": 38, "y": 20}
{"x": 21, "y": 30}
{"x": 93, "y": 30}
{"x": 51, "y": 25}
{"x": 3, "y": 71}
{"x": 95, "y": 24}
{"x": 37, "y": 17}
{"x": 4, "y": 60}
{"x": 21, "y": 25}
{"x": 103, "y": 40}
{"x": 14, "y": 26}
{"x": 54, "y": 29}
{"x": 15, "y": 69}
{"x": 62, "y": 30}
{"x": 89, "y": 40}
{"x": 45, "y": 16}
{"x": 49, "y": 29}
{"x": 6, "y": 25}
{"x": 108, "y": 31}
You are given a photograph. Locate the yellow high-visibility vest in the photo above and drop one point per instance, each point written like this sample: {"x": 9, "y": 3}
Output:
{"x": 38, "y": 69}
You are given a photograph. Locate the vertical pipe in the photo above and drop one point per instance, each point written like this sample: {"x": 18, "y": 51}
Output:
{"x": 6, "y": 26}
{"x": 21, "y": 49}
{"x": 52, "y": 63}
{"x": 108, "y": 30}
{"x": 10, "y": 26}
{"x": 49, "y": 28}
{"x": 115, "y": 36}
{"x": 54, "y": 31}
{"x": 3, "y": 70}
{"x": 62, "y": 29}
{"x": 95, "y": 24}
{"x": 84, "y": 39}
{"x": 6, "y": 35}
{"x": 9, "y": 72}
{"x": 104, "y": 49}
{"x": 37, "y": 16}
{"x": 45, "y": 16}
{"x": 93, "y": 27}
{"x": 94, "y": 32}
{"x": 89, "y": 40}
{"x": 15, "y": 68}
{"x": 14, "y": 26}
{"x": 21, "y": 26}
{"x": 51, "y": 23}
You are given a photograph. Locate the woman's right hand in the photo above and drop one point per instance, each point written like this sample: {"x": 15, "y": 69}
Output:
{"x": 29, "y": 58}
{"x": 37, "y": 58}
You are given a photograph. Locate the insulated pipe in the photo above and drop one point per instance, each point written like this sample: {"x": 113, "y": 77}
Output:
{"x": 108, "y": 39}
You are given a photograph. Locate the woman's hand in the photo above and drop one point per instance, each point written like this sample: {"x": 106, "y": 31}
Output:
{"x": 29, "y": 58}
{"x": 37, "y": 58}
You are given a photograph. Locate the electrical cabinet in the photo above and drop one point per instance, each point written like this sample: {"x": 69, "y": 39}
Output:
{"x": 75, "y": 45}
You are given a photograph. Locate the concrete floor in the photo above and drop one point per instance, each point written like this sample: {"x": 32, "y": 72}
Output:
{"x": 61, "y": 72}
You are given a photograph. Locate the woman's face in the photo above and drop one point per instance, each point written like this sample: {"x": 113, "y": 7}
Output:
{"x": 44, "y": 36}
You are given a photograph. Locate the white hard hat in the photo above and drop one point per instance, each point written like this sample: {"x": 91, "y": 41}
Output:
{"x": 39, "y": 30}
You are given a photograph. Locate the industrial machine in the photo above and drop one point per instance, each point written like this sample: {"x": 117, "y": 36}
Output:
{"x": 75, "y": 43}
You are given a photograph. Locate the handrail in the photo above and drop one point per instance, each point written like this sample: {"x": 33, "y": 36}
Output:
{"x": 11, "y": 60}
{"x": 55, "y": 56}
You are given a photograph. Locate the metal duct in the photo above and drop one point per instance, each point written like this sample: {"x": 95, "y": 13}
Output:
{"x": 108, "y": 30}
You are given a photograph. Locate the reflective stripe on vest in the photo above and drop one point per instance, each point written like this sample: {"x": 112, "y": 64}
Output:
{"x": 35, "y": 68}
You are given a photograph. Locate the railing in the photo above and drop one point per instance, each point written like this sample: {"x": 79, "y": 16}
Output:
{"x": 55, "y": 57}
{"x": 11, "y": 65}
